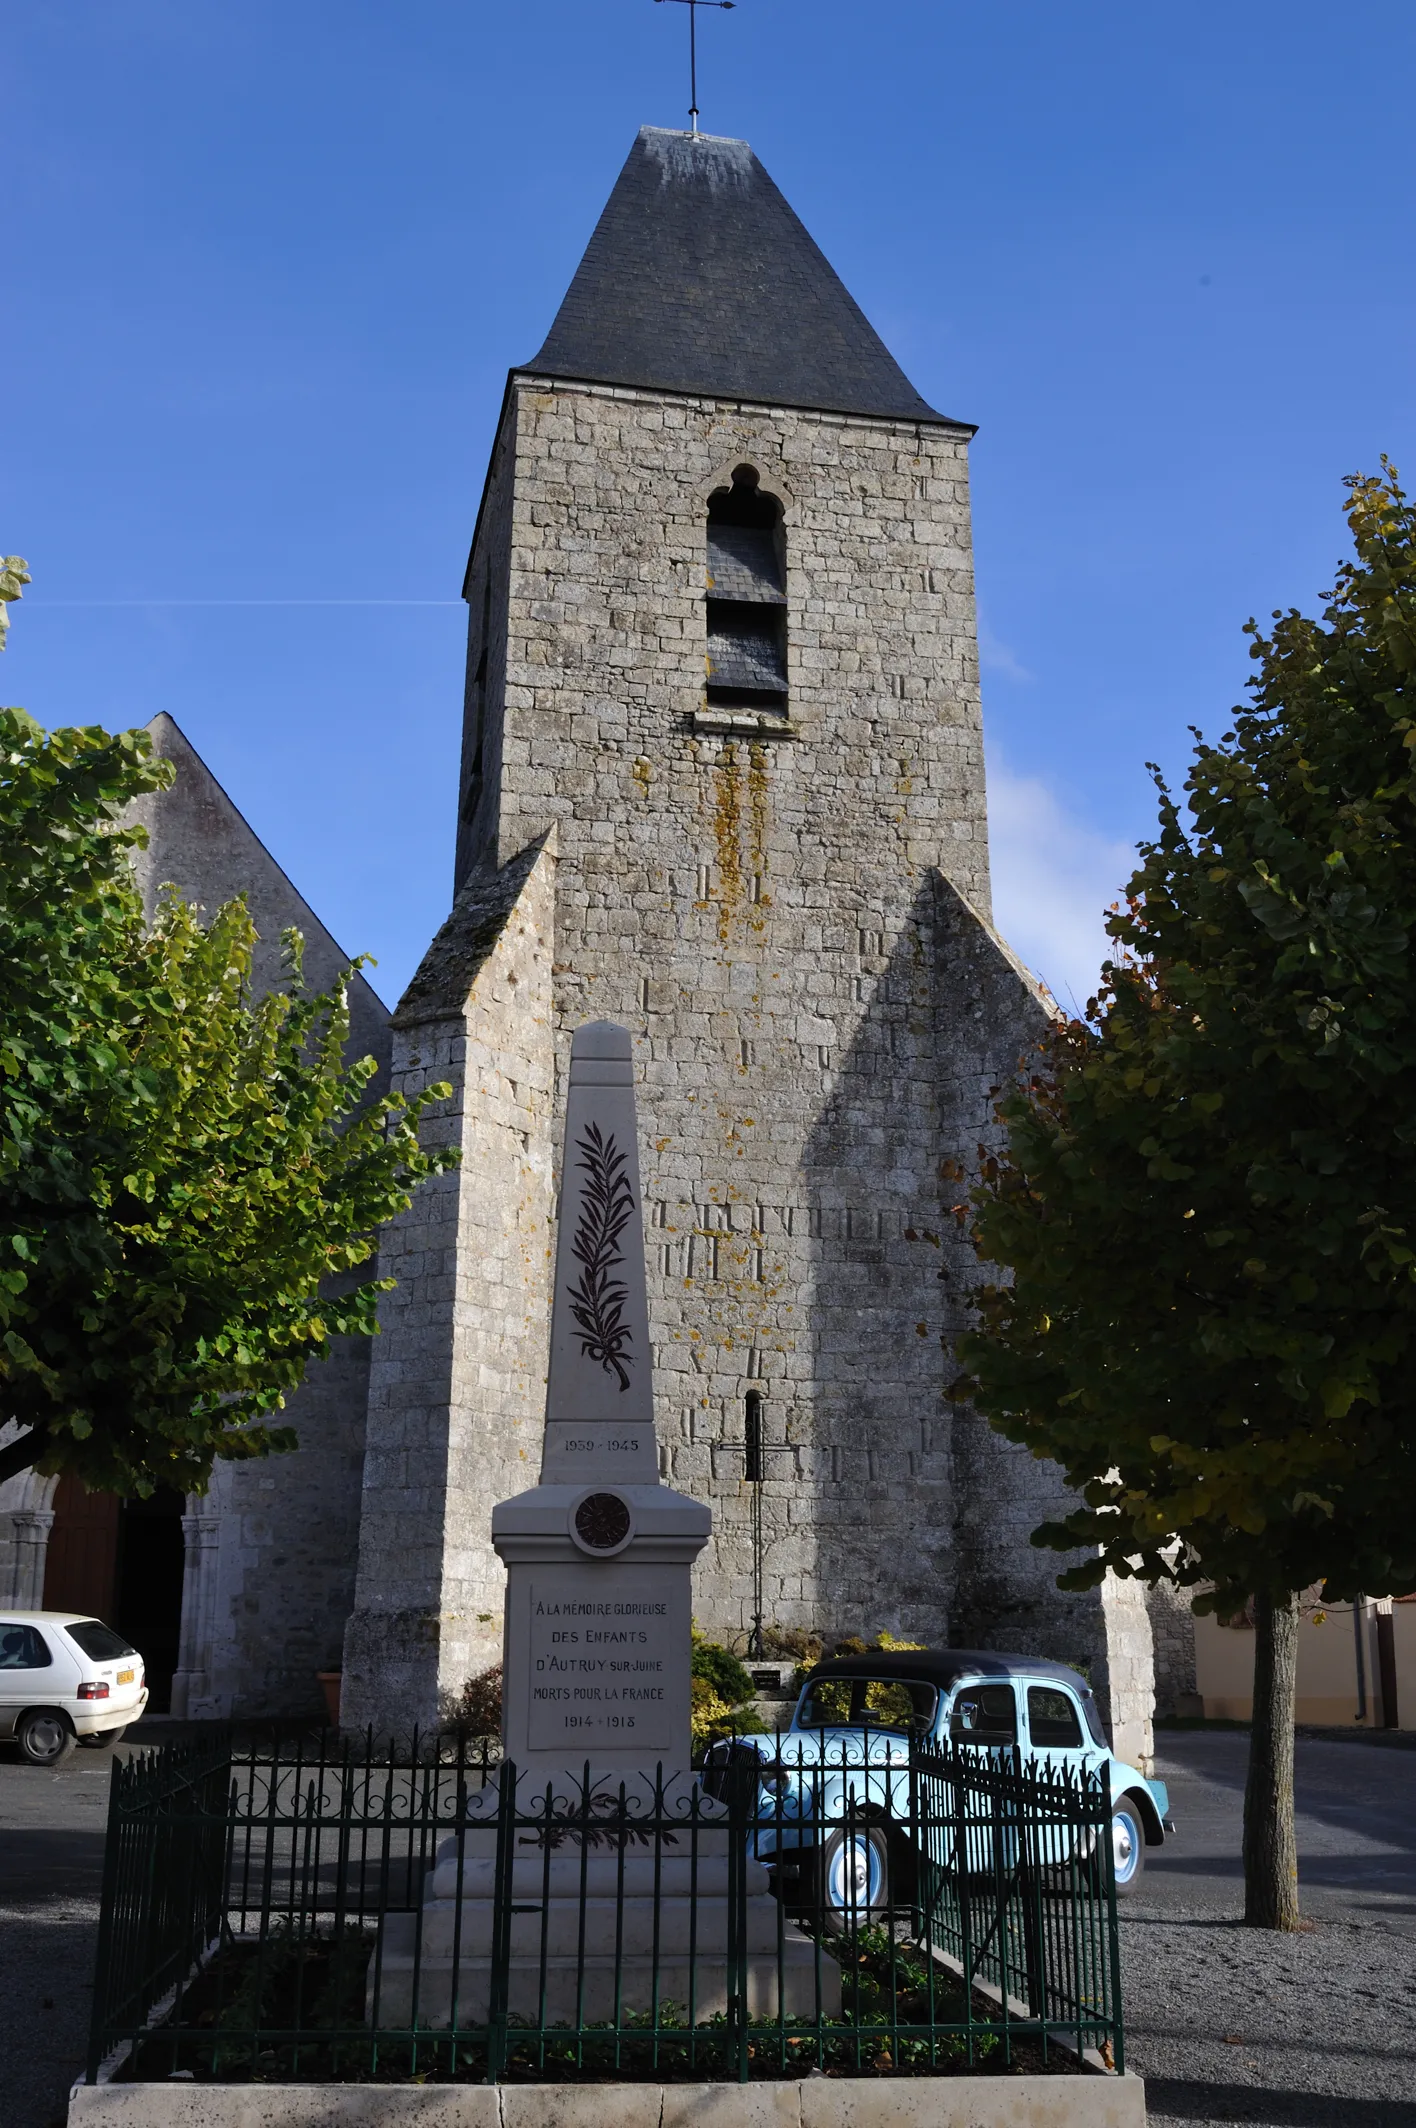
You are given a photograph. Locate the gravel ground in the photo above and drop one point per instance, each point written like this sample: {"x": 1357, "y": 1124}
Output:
{"x": 1226, "y": 2023}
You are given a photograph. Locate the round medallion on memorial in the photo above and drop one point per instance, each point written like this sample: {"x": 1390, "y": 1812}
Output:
{"x": 601, "y": 1523}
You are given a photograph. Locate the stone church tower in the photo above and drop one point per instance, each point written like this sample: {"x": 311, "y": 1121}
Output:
{"x": 722, "y": 782}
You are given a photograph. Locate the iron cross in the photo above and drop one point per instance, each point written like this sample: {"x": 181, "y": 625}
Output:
{"x": 693, "y": 7}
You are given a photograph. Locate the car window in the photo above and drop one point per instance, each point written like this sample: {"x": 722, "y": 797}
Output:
{"x": 23, "y": 1648}
{"x": 894, "y": 1703}
{"x": 984, "y": 1714}
{"x": 99, "y": 1642}
{"x": 1052, "y": 1719}
{"x": 1094, "y": 1722}
{"x": 826, "y": 1703}
{"x": 898, "y": 1703}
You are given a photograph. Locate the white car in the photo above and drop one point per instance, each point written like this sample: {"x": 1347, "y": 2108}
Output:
{"x": 65, "y": 1679}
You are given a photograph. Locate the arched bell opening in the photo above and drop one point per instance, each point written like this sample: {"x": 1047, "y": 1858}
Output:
{"x": 747, "y": 596}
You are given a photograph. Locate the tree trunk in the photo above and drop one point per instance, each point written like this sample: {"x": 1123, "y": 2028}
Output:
{"x": 1270, "y": 1842}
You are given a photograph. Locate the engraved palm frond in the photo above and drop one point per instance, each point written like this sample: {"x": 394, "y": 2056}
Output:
{"x": 597, "y": 1299}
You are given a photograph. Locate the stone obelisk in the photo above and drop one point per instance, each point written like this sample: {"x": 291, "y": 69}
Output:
{"x": 599, "y": 1556}
{"x": 596, "y": 1673}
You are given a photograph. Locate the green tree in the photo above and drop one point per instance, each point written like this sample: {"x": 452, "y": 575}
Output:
{"x": 14, "y": 574}
{"x": 189, "y": 1180}
{"x": 1207, "y": 1196}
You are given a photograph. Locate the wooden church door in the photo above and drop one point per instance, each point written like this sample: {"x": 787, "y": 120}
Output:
{"x": 121, "y": 1561}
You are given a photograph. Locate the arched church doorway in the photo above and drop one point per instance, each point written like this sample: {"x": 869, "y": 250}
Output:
{"x": 81, "y": 1563}
{"x": 122, "y": 1560}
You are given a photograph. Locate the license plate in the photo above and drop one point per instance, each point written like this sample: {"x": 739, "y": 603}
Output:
{"x": 125, "y": 1677}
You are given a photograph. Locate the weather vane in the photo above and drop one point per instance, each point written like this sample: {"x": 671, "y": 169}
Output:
{"x": 693, "y": 7}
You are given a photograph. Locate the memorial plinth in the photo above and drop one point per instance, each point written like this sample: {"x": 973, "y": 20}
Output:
{"x": 596, "y": 1665}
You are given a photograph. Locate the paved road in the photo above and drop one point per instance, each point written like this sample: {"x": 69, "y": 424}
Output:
{"x": 51, "y": 1868}
{"x": 1310, "y": 2031}
{"x": 1356, "y": 1827}
{"x": 1226, "y": 2024}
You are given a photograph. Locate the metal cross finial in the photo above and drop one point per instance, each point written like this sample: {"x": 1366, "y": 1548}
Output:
{"x": 693, "y": 7}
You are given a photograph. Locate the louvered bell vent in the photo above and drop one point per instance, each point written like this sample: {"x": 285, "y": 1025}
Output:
{"x": 746, "y": 590}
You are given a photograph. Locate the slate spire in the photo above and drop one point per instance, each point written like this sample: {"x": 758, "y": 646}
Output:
{"x": 699, "y": 278}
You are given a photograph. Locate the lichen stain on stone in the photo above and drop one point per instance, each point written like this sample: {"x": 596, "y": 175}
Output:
{"x": 758, "y": 817}
{"x": 642, "y": 771}
{"x": 727, "y": 835}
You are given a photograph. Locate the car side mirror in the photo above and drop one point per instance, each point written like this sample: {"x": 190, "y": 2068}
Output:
{"x": 966, "y": 1714}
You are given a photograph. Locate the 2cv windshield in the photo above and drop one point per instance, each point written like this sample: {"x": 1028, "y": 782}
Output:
{"x": 906, "y": 1705}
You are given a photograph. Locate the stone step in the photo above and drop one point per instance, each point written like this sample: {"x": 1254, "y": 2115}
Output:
{"x": 680, "y": 1924}
{"x": 677, "y": 1876}
{"x": 480, "y": 1838}
{"x": 596, "y": 1988}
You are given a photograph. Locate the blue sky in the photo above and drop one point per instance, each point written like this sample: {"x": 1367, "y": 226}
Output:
{"x": 265, "y": 268}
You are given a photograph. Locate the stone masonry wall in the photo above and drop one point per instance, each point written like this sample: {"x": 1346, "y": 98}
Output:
{"x": 757, "y": 912}
{"x": 771, "y": 917}
{"x": 760, "y": 912}
{"x": 458, "y": 1377}
{"x": 1173, "y": 1632}
{"x": 279, "y": 1551}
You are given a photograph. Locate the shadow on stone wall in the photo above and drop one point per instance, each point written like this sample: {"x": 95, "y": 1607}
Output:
{"x": 885, "y": 1262}
{"x": 901, "y": 1474}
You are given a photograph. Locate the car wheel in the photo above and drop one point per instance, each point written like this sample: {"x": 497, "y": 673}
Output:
{"x": 104, "y": 1736}
{"x": 1128, "y": 1844}
{"x": 44, "y": 1736}
{"x": 855, "y": 1878}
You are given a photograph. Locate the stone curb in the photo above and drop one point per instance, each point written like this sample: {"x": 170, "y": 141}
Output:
{"x": 815, "y": 2102}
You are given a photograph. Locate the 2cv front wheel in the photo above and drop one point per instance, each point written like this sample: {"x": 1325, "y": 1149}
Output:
{"x": 855, "y": 1878}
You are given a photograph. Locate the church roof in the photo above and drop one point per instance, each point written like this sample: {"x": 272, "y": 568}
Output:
{"x": 699, "y": 278}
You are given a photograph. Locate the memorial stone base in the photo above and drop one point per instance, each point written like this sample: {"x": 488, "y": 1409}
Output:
{"x": 619, "y": 1968}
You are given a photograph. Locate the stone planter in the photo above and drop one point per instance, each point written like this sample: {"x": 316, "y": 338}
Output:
{"x": 1076, "y": 2101}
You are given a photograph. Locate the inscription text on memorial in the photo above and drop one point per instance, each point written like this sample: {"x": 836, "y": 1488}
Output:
{"x": 605, "y": 1643}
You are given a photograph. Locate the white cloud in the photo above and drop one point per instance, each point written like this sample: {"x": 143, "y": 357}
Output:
{"x": 995, "y": 656}
{"x": 1054, "y": 878}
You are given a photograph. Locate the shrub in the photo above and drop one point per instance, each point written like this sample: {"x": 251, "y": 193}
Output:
{"x": 720, "y": 1695}
{"x": 720, "y": 1668}
{"x": 477, "y": 1708}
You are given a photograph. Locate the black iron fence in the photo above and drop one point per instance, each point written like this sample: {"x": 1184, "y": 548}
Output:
{"x": 312, "y": 1911}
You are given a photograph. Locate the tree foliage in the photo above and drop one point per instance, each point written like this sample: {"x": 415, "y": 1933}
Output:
{"x": 1208, "y": 1193}
{"x": 14, "y": 574}
{"x": 189, "y": 1179}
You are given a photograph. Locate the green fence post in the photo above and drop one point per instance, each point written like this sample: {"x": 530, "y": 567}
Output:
{"x": 500, "y": 1976}
{"x": 108, "y": 1903}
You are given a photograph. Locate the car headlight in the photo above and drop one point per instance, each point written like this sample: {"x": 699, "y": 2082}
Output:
{"x": 775, "y": 1781}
